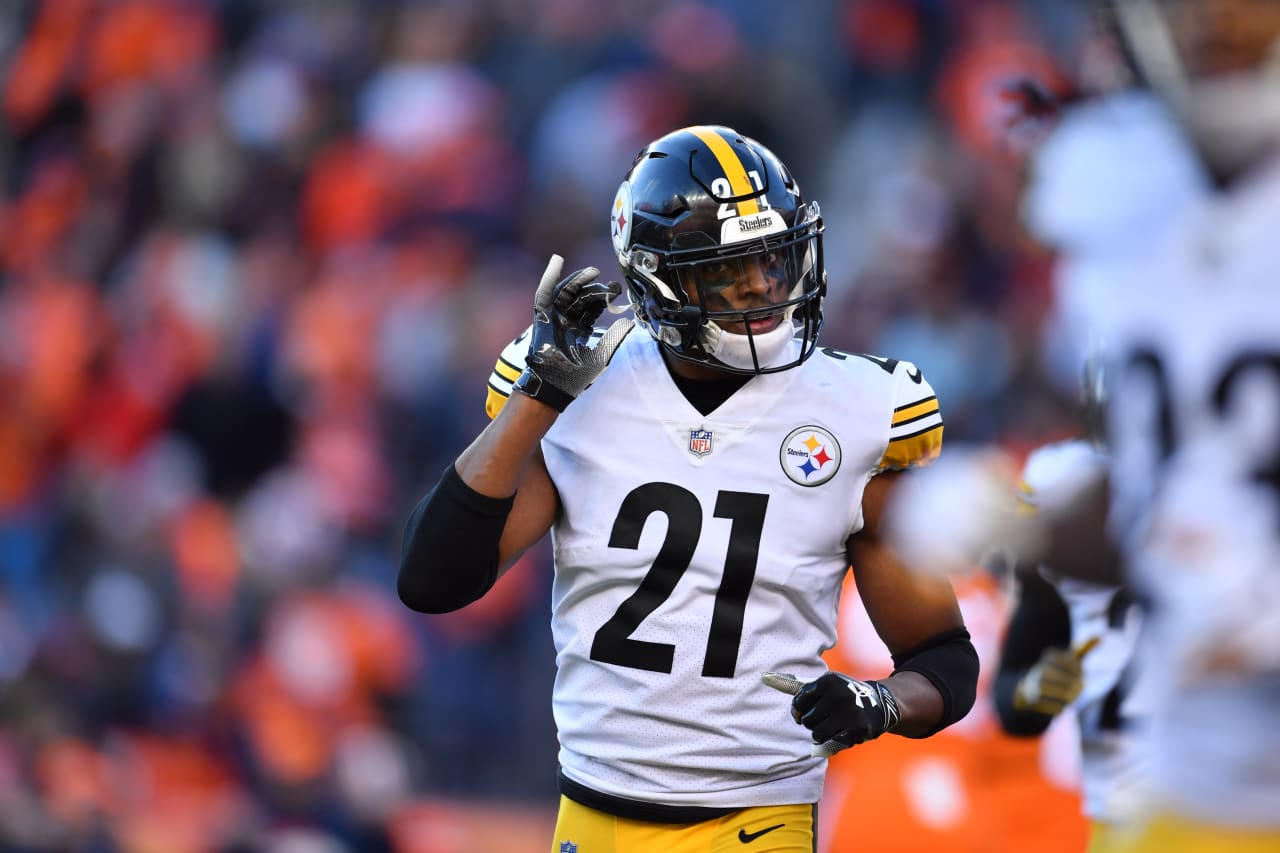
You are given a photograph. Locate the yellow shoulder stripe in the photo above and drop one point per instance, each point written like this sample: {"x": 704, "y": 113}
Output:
{"x": 915, "y": 410}
{"x": 507, "y": 370}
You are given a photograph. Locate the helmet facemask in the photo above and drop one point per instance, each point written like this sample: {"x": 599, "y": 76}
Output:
{"x": 682, "y": 297}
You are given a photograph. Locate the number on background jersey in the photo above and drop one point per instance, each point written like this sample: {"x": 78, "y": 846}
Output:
{"x": 613, "y": 642}
{"x": 1269, "y": 471}
{"x": 1146, "y": 363}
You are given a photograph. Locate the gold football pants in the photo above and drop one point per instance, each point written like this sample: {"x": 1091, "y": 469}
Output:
{"x": 763, "y": 829}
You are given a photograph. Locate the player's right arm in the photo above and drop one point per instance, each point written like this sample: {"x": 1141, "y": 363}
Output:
{"x": 506, "y": 459}
{"x": 497, "y": 499}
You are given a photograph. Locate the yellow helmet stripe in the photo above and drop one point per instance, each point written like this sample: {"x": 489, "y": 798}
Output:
{"x": 739, "y": 183}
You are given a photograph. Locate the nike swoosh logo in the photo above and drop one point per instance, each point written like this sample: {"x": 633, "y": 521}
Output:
{"x": 747, "y": 837}
{"x": 915, "y": 376}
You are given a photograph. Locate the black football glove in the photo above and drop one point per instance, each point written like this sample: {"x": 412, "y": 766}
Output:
{"x": 561, "y": 362}
{"x": 839, "y": 710}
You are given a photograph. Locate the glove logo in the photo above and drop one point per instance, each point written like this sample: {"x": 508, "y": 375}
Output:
{"x": 568, "y": 847}
{"x": 809, "y": 455}
{"x": 620, "y": 217}
{"x": 862, "y": 691}
{"x": 699, "y": 442}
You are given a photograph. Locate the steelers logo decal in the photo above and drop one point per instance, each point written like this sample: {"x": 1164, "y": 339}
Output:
{"x": 810, "y": 455}
{"x": 620, "y": 217}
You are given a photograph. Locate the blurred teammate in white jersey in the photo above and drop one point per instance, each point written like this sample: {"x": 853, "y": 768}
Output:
{"x": 708, "y": 475}
{"x": 1163, "y": 203}
{"x": 1070, "y": 645}
{"x": 1165, "y": 210}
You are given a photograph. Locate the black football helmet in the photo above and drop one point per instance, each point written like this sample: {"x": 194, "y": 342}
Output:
{"x": 705, "y": 205}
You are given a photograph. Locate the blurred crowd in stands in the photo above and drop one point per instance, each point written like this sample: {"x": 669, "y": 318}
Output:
{"x": 257, "y": 258}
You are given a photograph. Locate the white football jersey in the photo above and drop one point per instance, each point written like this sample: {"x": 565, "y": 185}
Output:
{"x": 696, "y": 552}
{"x": 1108, "y": 709}
{"x": 1191, "y": 326}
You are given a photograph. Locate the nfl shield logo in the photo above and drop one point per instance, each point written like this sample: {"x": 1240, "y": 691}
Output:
{"x": 699, "y": 442}
{"x": 568, "y": 847}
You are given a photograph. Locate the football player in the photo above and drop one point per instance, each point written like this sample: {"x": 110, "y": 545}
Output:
{"x": 1164, "y": 209}
{"x": 1070, "y": 645}
{"x": 708, "y": 475}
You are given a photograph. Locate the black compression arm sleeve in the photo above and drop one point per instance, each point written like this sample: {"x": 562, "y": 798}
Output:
{"x": 1040, "y": 621}
{"x": 950, "y": 662}
{"x": 450, "y": 553}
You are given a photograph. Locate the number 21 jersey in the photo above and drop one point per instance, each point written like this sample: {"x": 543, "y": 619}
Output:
{"x": 695, "y": 552}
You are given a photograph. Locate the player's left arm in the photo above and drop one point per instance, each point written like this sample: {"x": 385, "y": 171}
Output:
{"x": 935, "y": 675}
{"x": 916, "y": 615}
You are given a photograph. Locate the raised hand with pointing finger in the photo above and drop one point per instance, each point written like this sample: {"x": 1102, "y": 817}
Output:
{"x": 562, "y": 362}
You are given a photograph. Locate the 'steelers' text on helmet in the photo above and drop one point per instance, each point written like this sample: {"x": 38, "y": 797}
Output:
{"x": 707, "y": 199}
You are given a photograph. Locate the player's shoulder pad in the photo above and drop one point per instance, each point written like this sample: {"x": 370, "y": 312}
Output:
{"x": 506, "y": 371}
{"x": 861, "y": 366}
{"x": 915, "y": 427}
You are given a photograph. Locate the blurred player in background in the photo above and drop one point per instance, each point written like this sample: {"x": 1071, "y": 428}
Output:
{"x": 1164, "y": 211}
{"x": 706, "y": 494}
{"x": 1070, "y": 646}
{"x": 1067, "y": 648}
{"x": 1192, "y": 321}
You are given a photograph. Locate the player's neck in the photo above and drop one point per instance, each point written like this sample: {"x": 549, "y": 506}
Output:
{"x": 704, "y": 387}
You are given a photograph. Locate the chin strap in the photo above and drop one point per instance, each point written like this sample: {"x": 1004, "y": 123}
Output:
{"x": 736, "y": 350}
